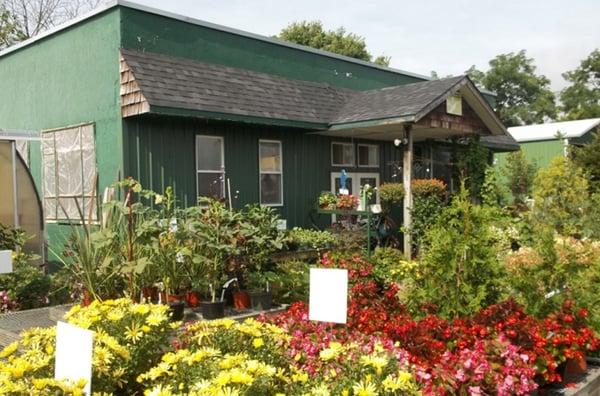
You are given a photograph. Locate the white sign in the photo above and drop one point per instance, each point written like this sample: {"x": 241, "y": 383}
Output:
{"x": 6, "y": 263}
{"x": 74, "y": 348}
{"x": 328, "y": 300}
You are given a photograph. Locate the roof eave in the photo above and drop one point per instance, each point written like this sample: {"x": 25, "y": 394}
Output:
{"x": 209, "y": 115}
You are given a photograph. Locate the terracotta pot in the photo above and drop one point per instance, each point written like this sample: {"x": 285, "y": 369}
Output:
{"x": 574, "y": 368}
{"x": 150, "y": 294}
{"x": 192, "y": 299}
{"x": 212, "y": 310}
{"x": 175, "y": 297}
{"x": 241, "y": 300}
{"x": 87, "y": 299}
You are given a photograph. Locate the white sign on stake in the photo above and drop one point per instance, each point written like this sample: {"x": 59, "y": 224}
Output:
{"x": 74, "y": 348}
{"x": 328, "y": 300}
{"x": 6, "y": 263}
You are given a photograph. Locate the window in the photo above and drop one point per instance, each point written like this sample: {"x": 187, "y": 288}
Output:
{"x": 210, "y": 166}
{"x": 69, "y": 173}
{"x": 270, "y": 169}
{"x": 454, "y": 105}
{"x": 368, "y": 155}
{"x": 342, "y": 154}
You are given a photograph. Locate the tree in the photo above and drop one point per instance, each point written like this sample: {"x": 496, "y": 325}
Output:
{"x": 582, "y": 98}
{"x": 561, "y": 197}
{"x": 9, "y": 30}
{"x": 587, "y": 157}
{"x": 519, "y": 174}
{"x": 523, "y": 97}
{"x": 31, "y": 17}
{"x": 312, "y": 34}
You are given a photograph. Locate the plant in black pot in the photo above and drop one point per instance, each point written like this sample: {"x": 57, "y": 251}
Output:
{"x": 214, "y": 230}
{"x": 259, "y": 289}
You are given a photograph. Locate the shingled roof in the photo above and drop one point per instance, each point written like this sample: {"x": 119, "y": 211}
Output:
{"x": 176, "y": 83}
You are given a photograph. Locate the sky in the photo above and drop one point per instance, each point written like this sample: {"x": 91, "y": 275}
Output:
{"x": 447, "y": 36}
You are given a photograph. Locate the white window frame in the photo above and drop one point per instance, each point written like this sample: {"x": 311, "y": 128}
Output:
{"x": 343, "y": 144}
{"x": 222, "y": 171}
{"x": 358, "y": 146}
{"x": 58, "y": 196}
{"x": 280, "y": 172}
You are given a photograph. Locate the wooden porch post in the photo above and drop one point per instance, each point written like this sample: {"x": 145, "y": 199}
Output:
{"x": 408, "y": 199}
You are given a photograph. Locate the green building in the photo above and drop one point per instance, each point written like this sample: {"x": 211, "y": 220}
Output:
{"x": 542, "y": 142}
{"x": 172, "y": 101}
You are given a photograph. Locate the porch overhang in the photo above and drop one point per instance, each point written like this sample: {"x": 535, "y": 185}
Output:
{"x": 430, "y": 121}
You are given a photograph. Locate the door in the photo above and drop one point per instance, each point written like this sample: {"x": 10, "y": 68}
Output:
{"x": 354, "y": 182}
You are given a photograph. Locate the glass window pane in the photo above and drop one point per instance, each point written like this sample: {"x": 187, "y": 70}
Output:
{"x": 210, "y": 185}
{"x": 209, "y": 153}
{"x": 368, "y": 155}
{"x": 270, "y": 189}
{"x": 270, "y": 157}
{"x": 342, "y": 154}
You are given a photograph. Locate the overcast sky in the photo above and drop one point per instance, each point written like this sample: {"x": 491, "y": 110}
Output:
{"x": 447, "y": 36}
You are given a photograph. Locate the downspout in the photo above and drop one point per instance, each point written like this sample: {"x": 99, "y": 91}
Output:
{"x": 565, "y": 148}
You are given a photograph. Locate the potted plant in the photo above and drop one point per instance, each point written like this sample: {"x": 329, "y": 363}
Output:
{"x": 327, "y": 200}
{"x": 259, "y": 286}
{"x": 214, "y": 231}
{"x": 347, "y": 202}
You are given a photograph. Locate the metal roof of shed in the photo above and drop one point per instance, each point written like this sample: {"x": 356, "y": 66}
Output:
{"x": 567, "y": 129}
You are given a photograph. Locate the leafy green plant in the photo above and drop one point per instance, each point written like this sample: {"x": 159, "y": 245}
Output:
{"x": 214, "y": 232}
{"x": 27, "y": 285}
{"x": 459, "y": 267}
{"x": 471, "y": 160}
{"x": 327, "y": 200}
{"x": 391, "y": 194}
{"x": 390, "y": 265}
{"x": 304, "y": 239}
{"x": 519, "y": 174}
{"x": 291, "y": 281}
{"x": 561, "y": 197}
{"x": 428, "y": 202}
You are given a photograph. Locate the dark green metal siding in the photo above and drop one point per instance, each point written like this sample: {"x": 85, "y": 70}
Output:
{"x": 161, "y": 153}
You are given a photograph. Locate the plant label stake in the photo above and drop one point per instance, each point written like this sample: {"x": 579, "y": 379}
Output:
{"x": 6, "y": 263}
{"x": 74, "y": 348}
{"x": 328, "y": 300}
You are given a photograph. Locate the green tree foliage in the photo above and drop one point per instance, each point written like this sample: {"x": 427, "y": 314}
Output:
{"x": 587, "y": 157}
{"x": 582, "y": 98}
{"x": 10, "y": 32}
{"x": 493, "y": 192}
{"x": 459, "y": 271}
{"x": 471, "y": 162}
{"x": 561, "y": 197}
{"x": 339, "y": 41}
{"x": 519, "y": 174}
{"x": 523, "y": 97}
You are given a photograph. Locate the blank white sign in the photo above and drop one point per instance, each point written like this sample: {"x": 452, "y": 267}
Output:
{"x": 6, "y": 263}
{"x": 74, "y": 348}
{"x": 328, "y": 300}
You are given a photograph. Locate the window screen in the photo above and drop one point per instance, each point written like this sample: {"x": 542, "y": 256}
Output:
{"x": 210, "y": 166}
{"x": 368, "y": 155}
{"x": 342, "y": 154}
{"x": 271, "y": 172}
{"x": 69, "y": 169}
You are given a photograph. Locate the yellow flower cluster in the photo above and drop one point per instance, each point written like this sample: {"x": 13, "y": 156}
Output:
{"x": 124, "y": 335}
